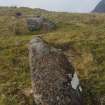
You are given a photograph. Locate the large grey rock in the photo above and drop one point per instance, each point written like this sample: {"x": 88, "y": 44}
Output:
{"x": 35, "y": 23}
{"x": 54, "y": 80}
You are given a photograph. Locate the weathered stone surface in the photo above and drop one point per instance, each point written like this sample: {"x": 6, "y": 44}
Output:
{"x": 54, "y": 80}
{"x": 47, "y": 26}
{"x": 102, "y": 100}
{"x": 35, "y": 23}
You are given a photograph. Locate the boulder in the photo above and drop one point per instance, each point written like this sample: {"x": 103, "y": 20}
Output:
{"x": 54, "y": 79}
{"x": 36, "y": 23}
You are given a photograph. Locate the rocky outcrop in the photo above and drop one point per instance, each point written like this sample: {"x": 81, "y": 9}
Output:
{"x": 54, "y": 80}
{"x": 36, "y": 23}
{"x": 100, "y": 8}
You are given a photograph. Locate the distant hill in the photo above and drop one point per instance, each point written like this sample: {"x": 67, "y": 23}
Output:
{"x": 100, "y": 8}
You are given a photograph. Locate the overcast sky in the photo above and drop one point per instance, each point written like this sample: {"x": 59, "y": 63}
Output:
{"x": 54, "y": 5}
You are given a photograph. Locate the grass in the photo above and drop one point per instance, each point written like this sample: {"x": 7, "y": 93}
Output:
{"x": 82, "y": 38}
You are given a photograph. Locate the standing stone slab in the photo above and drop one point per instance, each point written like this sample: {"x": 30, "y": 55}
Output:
{"x": 54, "y": 80}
